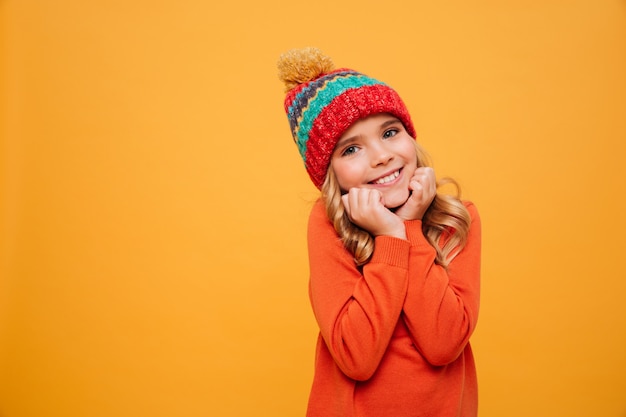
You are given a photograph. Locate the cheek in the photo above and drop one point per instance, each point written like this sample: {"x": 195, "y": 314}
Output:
{"x": 411, "y": 163}
{"x": 412, "y": 152}
{"x": 410, "y": 170}
{"x": 348, "y": 175}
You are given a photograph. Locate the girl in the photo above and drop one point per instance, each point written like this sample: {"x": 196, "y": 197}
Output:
{"x": 394, "y": 265}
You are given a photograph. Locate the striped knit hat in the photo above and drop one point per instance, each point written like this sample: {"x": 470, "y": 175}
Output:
{"x": 323, "y": 102}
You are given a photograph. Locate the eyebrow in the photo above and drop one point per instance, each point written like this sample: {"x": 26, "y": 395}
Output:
{"x": 391, "y": 121}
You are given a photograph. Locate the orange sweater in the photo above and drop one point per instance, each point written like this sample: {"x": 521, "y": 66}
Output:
{"x": 394, "y": 337}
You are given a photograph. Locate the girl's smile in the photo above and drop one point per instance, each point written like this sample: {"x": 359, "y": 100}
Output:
{"x": 387, "y": 179}
{"x": 376, "y": 152}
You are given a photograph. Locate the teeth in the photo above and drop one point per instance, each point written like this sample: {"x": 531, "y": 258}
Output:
{"x": 388, "y": 178}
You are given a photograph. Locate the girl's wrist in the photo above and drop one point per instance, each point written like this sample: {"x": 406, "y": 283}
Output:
{"x": 398, "y": 232}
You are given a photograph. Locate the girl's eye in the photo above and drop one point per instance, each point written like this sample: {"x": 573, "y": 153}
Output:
{"x": 389, "y": 133}
{"x": 349, "y": 150}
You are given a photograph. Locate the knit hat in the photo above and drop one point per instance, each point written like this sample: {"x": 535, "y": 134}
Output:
{"x": 323, "y": 102}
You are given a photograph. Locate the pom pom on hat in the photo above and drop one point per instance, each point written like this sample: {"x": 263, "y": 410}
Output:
{"x": 323, "y": 102}
{"x": 299, "y": 66}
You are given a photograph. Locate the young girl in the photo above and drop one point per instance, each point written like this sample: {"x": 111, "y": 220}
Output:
{"x": 394, "y": 265}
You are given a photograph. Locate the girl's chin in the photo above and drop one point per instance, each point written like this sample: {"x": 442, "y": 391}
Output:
{"x": 396, "y": 200}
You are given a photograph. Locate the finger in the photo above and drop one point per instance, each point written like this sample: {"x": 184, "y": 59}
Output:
{"x": 345, "y": 199}
{"x": 424, "y": 173}
{"x": 359, "y": 198}
{"x": 356, "y": 201}
{"x": 375, "y": 197}
{"x": 418, "y": 192}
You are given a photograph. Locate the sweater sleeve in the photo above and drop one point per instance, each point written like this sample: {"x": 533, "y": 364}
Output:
{"x": 441, "y": 307}
{"x": 356, "y": 311}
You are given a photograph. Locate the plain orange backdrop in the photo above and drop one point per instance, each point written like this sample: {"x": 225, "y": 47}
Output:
{"x": 153, "y": 258}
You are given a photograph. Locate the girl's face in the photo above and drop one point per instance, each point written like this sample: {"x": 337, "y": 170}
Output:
{"x": 376, "y": 152}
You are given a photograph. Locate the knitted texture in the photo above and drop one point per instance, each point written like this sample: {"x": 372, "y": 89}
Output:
{"x": 323, "y": 102}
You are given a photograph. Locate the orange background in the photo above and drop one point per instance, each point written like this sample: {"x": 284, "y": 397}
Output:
{"x": 153, "y": 257}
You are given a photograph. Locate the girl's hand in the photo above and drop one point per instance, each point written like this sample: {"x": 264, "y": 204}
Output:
{"x": 365, "y": 208}
{"x": 423, "y": 187}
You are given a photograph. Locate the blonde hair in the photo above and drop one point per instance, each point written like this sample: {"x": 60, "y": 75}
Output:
{"x": 445, "y": 224}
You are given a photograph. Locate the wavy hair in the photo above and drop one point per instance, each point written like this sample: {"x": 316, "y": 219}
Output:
{"x": 445, "y": 223}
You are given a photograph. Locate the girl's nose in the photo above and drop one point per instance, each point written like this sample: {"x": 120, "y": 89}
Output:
{"x": 381, "y": 156}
